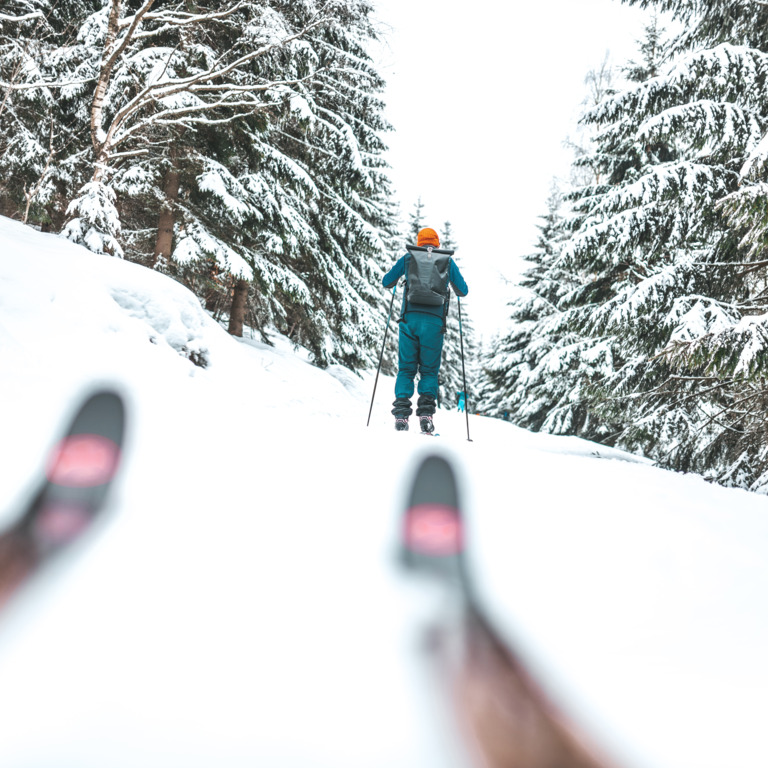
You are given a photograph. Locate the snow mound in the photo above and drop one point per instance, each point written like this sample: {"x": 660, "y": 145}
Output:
{"x": 177, "y": 320}
{"x": 65, "y": 282}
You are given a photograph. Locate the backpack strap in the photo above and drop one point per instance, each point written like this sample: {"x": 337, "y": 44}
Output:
{"x": 447, "y": 298}
{"x": 445, "y": 312}
{"x": 404, "y": 305}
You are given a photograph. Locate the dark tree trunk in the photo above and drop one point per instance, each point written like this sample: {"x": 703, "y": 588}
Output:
{"x": 237, "y": 312}
{"x": 165, "y": 221}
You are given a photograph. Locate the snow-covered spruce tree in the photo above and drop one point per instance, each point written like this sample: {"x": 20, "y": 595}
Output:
{"x": 563, "y": 390}
{"x": 311, "y": 171}
{"x": 38, "y": 131}
{"x": 335, "y": 136}
{"x": 451, "y": 372}
{"x": 668, "y": 288}
{"x": 303, "y": 185}
{"x": 537, "y": 372}
{"x": 416, "y": 221}
{"x": 508, "y": 389}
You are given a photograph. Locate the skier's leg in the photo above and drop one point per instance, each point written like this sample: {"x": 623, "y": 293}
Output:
{"x": 426, "y": 405}
{"x": 430, "y": 351}
{"x": 408, "y": 363}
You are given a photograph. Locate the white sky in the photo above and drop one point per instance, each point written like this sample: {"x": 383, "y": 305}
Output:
{"x": 482, "y": 96}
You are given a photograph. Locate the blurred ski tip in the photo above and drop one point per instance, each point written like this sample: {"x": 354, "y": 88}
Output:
{"x": 78, "y": 474}
{"x": 432, "y": 537}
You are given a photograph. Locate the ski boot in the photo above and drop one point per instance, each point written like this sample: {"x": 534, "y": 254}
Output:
{"x": 426, "y": 424}
{"x": 401, "y": 425}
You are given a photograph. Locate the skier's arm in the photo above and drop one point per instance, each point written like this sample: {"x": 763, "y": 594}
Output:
{"x": 457, "y": 281}
{"x": 394, "y": 274}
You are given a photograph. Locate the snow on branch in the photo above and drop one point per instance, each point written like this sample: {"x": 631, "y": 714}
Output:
{"x": 25, "y": 17}
{"x": 32, "y": 86}
{"x": 131, "y": 117}
{"x": 180, "y": 18}
{"x": 168, "y": 20}
{"x": 171, "y": 115}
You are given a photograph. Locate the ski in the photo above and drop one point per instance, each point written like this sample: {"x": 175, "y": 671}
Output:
{"x": 78, "y": 474}
{"x": 511, "y": 719}
{"x": 432, "y": 539}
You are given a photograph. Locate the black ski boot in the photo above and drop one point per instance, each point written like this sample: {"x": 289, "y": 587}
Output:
{"x": 401, "y": 411}
{"x": 427, "y": 424}
{"x": 425, "y": 410}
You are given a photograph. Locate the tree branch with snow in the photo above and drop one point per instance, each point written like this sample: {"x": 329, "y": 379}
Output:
{"x": 132, "y": 96}
{"x": 23, "y": 17}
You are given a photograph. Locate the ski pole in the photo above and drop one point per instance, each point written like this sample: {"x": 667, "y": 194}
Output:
{"x": 381, "y": 356}
{"x": 463, "y": 373}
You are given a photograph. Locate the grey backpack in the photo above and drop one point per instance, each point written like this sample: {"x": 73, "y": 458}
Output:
{"x": 427, "y": 275}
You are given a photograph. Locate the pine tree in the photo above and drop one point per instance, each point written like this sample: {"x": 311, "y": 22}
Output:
{"x": 457, "y": 334}
{"x": 539, "y": 371}
{"x": 416, "y": 221}
{"x": 510, "y": 388}
{"x": 40, "y": 124}
{"x": 592, "y": 356}
{"x": 334, "y": 136}
{"x": 393, "y": 239}
{"x": 674, "y": 288}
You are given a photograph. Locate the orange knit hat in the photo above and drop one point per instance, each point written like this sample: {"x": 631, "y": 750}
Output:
{"x": 428, "y": 236}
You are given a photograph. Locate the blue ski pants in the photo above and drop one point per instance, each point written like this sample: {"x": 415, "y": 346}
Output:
{"x": 420, "y": 350}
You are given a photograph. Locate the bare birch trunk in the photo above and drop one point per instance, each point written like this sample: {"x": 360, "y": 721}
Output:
{"x": 100, "y": 92}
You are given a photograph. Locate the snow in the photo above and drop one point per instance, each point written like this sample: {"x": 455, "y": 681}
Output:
{"x": 241, "y": 603}
{"x": 756, "y": 157}
{"x": 96, "y": 223}
{"x": 217, "y": 180}
{"x": 299, "y": 104}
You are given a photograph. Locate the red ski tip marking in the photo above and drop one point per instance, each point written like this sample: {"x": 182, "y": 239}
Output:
{"x": 83, "y": 461}
{"x": 433, "y": 529}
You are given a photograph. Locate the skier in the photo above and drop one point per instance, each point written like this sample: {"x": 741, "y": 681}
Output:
{"x": 422, "y": 327}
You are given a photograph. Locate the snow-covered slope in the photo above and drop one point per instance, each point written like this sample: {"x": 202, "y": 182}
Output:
{"x": 242, "y": 605}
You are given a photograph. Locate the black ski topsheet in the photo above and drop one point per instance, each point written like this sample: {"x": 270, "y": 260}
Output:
{"x": 511, "y": 721}
{"x": 78, "y": 474}
{"x": 433, "y": 533}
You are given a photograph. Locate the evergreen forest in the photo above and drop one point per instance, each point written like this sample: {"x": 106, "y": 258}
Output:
{"x": 640, "y": 321}
{"x": 239, "y": 147}
{"x": 236, "y": 146}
